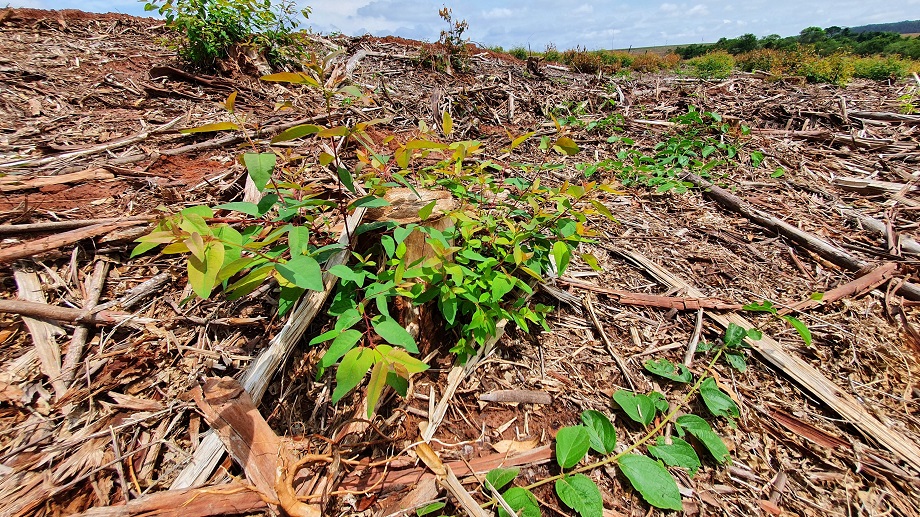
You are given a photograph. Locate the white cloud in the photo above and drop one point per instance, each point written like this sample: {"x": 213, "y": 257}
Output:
{"x": 698, "y": 10}
{"x": 668, "y": 8}
{"x": 498, "y": 12}
{"x": 584, "y": 9}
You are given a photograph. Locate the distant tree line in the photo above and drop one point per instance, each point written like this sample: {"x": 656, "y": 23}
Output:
{"x": 824, "y": 41}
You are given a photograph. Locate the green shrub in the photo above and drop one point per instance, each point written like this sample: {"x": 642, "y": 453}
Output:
{"x": 715, "y": 65}
{"x": 212, "y": 27}
{"x": 519, "y": 52}
{"x": 582, "y": 60}
{"x": 647, "y": 62}
{"x": 880, "y": 68}
{"x": 835, "y": 69}
{"x": 776, "y": 62}
{"x": 551, "y": 54}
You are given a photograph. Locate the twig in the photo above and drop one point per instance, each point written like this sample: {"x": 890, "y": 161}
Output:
{"x": 137, "y": 293}
{"x": 600, "y": 330}
{"x": 66, "y": 314}
{"x": 78, "y": 341}
{"x": 57, "y": 226}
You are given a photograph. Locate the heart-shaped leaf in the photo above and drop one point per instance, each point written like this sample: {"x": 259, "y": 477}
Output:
{"x": 572, "y": 443}
{"x": 579, "y": 493}
{"x": 652, "y": 480}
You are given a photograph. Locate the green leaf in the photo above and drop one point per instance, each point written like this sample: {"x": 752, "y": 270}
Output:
{"x": 346, "y": 273}
{"x": 449, "y": 309}
{"x": 703, "y": 432}
{"x": 202, "y": 271}
{"x": 352, "y": 369}
{"x": 501, "y": 477}
{"x": 567, "y": 146}
{"x": 678, "y": 454}
{"x": 561, "y": 255}
{"x": 572, "y": 443}
{"x": 340, "y": 346}
{"x": 346, "y": 178}
{"x": 447, "y": 123}
{"x": 522, "y": 501}
{"x": 601, "y": 432}
{"x": 580, "y": 493}
{"x": 736, "y": 360}
{"x": 302, "y": 271}
{"x": 401, "y": 361}
{"x": 651, "y": 479}
{"x": 291, "y": 77}
{"x": 800, "y": 328}
{"x": 717, "y": 401}
{"x": 259, "y": 166}
{"x": 425, "y": 212}
{"x": 589, "y": 259}
{"x": 369, "y": 202}
{"x": 333, "y": 131}
{"x": 638, "y": 407}
{"x": 207, "y": 128}
{"x": 390, "y": 330}
{"x": 296, "y": 132}
{"x": 299, "y": 240}
{"x": 501, "y": 285}
{"x": 430, "y": 508}
{"x": 240, "y": 206}
{"x": 665, "y": 368}
{"x": 375, "y": 386}
{"x": 288, "y": 298}
{"x": 734, "y": 335}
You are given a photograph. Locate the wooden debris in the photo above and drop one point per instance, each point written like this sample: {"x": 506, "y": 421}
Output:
{"x": 651, "y": 300}
{"x": 517, "y": 396}
{"x": 852, "y": 289}
{"x": 802, "y": 238}
{"x": 16, "y": 183}
{"x": 66, "y": 314}
{"x": 53, "y": 242}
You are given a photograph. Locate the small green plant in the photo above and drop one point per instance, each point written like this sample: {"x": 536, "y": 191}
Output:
{"x": 212, "y": 27}
{"x": 715, "y": 65}
{"x": 702, "y": 142}
{"x": 506, "y": 235}
{"x": 647, "y": 472}
{"x": 768, "y": 307}
{"x": 519, "y": 52}
{"x": 454, "y": 41}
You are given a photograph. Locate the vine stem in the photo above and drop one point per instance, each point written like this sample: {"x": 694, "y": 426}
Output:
{"x": 648, "y": 436}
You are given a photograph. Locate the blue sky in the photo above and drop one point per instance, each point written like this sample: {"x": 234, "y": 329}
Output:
{"x": 588, "y": 23}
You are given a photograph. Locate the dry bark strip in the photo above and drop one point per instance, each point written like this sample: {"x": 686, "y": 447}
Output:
{"x": 53, "y": 242}
{"x": 802, "y": 238}
{"x": 229, "y": 499}
{"x": 810, "y": 379}
{"x": 108, "y": 146}
{"x": 16, "y": 183}
{"x": 44, "y": 334}
{"x": 680, "y": 303}
{"x": 851, "y": 289}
